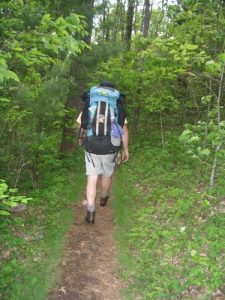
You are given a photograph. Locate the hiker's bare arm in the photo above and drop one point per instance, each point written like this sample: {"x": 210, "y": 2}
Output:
{"x": 125, "y": 140}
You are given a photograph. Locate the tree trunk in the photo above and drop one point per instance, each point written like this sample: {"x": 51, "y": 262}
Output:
{"x": 116, "y": 21}
{"x": 107, "y": 29}
{"x": 218, "y": 147}
{"x": 129, "y": 27}
{"x": 123, "y": 20}
{"x": 147, "y": 17}
{"x": 104, "y": 3}
{"x": 77, "y": 70}
{"x": 68, "y": 141}
{"x": 162, "y": 130}
{"x": 135, "y": 16}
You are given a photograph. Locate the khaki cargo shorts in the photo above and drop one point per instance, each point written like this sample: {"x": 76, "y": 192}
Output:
{"x": 100, "y": 164}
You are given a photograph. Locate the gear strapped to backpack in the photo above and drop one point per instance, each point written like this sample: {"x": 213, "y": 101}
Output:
{"x": 103, "y": 117}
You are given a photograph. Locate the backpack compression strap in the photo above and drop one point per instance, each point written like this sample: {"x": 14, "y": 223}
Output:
{"x": 106, "y": 118}
{"x": 98, "y": 117}
{"x": 102, "y": 119}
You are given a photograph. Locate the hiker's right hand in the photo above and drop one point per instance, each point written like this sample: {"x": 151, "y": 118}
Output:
{"x": 125, "y": 156}
{"x": 118, "y": 159}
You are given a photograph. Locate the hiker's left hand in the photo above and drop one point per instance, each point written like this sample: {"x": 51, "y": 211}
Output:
{"x": 125, "y": 155}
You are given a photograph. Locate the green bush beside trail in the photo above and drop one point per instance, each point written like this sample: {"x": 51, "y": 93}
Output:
{"x": 171, "y": 229}
{"x": 32, "y": 244}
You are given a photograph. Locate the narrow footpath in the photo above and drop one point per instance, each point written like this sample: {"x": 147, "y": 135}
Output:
{"x": 89, "y": 268}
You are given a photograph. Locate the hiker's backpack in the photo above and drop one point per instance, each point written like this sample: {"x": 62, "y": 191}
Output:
{"x": 103, "y": 117}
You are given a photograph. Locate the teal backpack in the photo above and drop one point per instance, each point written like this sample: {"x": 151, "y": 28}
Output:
{"x": 103, "y": 118}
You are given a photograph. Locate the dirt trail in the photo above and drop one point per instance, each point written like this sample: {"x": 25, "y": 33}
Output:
{"x": 89, "y": 271}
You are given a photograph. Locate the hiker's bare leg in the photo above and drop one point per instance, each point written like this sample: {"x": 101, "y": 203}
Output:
{"x": 91, "y": 189}
{"x": 105, "y": 187}
{"x": 106, "y": 184}
{"x": 91, "y": 195}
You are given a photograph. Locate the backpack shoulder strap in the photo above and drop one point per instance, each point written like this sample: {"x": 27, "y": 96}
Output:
{"x": 84, "y": 116}
{"x": 85, "y": 96}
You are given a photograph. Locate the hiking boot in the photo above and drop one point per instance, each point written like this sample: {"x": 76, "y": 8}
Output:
{"x": 103, "y": 201}
{"x": 90, "y": 218}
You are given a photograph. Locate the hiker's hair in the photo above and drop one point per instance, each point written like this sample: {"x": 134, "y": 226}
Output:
{"x": 107, "y": 84}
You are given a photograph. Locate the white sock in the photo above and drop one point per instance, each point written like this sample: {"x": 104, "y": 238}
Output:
{"x": 91, "y": 208}
{"x": 104, "y": 194}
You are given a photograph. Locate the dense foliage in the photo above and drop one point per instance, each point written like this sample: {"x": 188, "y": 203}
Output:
{"x": 177, "y": 75}
{"x": 36, "y": 50}
{"x": 171, "y": 231}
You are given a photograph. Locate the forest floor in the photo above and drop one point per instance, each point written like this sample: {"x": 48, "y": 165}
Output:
{"x": 89, "y": 267}
{"x": 169, "y": 232}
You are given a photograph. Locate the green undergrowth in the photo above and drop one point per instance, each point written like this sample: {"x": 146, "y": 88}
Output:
{"x": 171, "y": 229}
{"x": 32, "y": 244}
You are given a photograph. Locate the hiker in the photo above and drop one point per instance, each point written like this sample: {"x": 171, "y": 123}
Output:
{"x": 103, "y": 133}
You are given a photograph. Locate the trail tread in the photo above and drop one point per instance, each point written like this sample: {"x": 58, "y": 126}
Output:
{"x": 89, "y": 271}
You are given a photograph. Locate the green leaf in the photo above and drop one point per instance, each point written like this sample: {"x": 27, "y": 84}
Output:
{"x": 4, "y": 213}
{"x": 72, "y": 45}
{"x": 3, "y": 187}
{"x": 190, "y": 46}
{"x": 194, "y": 138}
{"x": 206, "y": 99}
{"x": 222, "y": 57}
{"x": 5, "y": 100}
{"x": 205, "y": 203}
{"x": 28, "y": 199}
{"x": 205, "y": 152}
{"x": 7, "y": 74}
{"x": 193, "y": 252}
{"x": 24, "y": 201}
{"x": 212, "y": 67}
{"x": 185, "y": 135}
{"x": 13, "y": 190}
{"x": 11, "y": 203}
{"x": 186, "y": 132}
